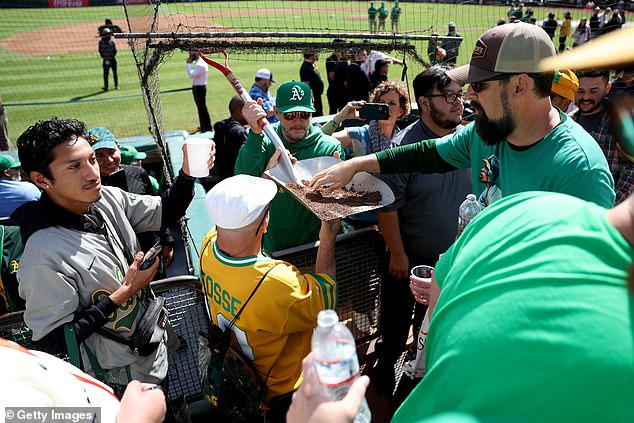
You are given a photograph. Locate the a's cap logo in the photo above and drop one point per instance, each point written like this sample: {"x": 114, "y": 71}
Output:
{"x": 93, "y": 138}
{"x": 297, "y": 93}
{"x": 479, "y": 50}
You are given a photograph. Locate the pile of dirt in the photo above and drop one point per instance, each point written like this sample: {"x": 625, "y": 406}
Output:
{"x": 333, "y": 204}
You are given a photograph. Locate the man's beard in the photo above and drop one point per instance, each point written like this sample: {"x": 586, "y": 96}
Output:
{"x": 494, "y": 132}
{"x": 442, "y": 121}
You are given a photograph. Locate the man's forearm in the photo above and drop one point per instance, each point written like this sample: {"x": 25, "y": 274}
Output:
{"x": 325, "y": 262}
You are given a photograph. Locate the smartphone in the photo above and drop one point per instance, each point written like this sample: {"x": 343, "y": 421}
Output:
{"x": 375, "y": 111}
{"x": 148, "y": 258}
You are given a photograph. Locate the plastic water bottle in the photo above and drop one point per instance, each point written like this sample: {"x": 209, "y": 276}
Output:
{"x": 335, "y": 359}
{"x": 467, "y": 211}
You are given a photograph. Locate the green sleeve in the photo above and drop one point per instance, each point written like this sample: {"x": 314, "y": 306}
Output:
{"x": 419, "y": 157}
{"x": 253, "y": 155}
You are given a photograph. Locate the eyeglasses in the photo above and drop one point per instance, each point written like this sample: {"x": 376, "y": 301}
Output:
{"x": 477, "y": 87}
{"x": 450, "y": 97}
{"x": 293, "y": 115}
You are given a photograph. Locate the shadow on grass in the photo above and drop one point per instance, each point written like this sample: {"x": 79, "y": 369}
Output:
{"x": 81, "y": 97}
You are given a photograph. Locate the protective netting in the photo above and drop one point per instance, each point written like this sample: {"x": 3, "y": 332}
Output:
{"x": 50, "y": 64}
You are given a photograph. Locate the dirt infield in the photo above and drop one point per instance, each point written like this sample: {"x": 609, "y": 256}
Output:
{"x": 83, "y": 37}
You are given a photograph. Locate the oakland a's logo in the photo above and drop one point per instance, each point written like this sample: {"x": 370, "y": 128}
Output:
{"x": 123, "y": 318}
{"x": 297, "y": 93}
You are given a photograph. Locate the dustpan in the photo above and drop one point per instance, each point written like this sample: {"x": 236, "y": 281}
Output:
{"x": 328, "y": 206}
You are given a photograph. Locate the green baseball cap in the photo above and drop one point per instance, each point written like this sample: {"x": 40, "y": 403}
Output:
{"x": 8, "y": 162}
{"x": 101, "y": 137}
{"x": 130, "y": 154}
{"x": 293, "y": 96}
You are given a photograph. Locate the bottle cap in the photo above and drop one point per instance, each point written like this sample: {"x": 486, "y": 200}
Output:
{"x": 327, "y": 318}
{"x": 471, "y": 197}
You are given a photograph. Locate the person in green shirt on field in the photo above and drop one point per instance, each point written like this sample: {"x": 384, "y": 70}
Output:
{"x": 383, "y": 12}
{"x": 372, "y": 17}
{"x": 396, "y": 13}
{"x": 291, "y": 223}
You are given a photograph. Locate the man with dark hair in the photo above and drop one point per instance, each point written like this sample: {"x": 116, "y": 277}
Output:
{"x": 550, "y": 25}
{"x": 229, "y": 135}
{"x": 80, "y": 272}
{"x": 537, "y": 146}
{"x": 309, "y": 74}
{"x": 357, "y": 81}
{"x": 336, "y": 92}
{"x": 593, "y": 117}
{"x": 108, "y": 52}
{"x": 415, "y": 238}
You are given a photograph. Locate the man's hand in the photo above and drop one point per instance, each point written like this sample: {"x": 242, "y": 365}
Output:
{"x": 350, "y": 111}
{"x": 210, "y": 160}
{"x": 275, "y": 158}
{"x": 311, "y": 405}
{"x": 254, "y": 113}
{"x": 399, "y": 266}
{"x": 135, "y": 279}
{"x": 168, "y": 255}
{"x": 142, "y": 403}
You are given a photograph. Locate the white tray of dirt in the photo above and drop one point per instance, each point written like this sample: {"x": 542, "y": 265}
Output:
{"x": 365, "y": 192}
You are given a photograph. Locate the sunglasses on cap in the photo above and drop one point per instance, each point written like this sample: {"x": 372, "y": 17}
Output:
{"x": 477, "y": 87}
{"x": 293, "y": 115}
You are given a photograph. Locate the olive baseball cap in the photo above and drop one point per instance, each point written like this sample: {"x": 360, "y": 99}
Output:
{"x": 511, "y": 48}
{"x": 7, "y": 162}
{"x": 565, "y": 84}
{"x": 294, "y": 96}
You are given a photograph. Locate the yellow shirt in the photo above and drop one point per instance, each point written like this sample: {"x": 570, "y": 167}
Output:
{"x": 276, "y": 326}
{"x": 566, "y": 28}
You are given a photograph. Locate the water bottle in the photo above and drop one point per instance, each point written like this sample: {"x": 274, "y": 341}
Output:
{"x": 467, "y": 211}
{"x": 335, "y": 359}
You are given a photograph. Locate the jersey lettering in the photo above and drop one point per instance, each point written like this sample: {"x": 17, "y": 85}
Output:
{"x": 220, "y": 296}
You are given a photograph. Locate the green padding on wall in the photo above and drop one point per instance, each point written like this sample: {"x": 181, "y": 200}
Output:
{"x": 199, "y": 221}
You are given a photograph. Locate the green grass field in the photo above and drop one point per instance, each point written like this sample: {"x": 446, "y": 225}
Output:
{"x": 38, "y": 86}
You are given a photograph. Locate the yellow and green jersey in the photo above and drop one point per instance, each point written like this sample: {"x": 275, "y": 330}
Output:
{"x": 276, "y": 326}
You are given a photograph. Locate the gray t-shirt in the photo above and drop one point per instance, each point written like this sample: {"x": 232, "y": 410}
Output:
{"x": 427, "y": 204}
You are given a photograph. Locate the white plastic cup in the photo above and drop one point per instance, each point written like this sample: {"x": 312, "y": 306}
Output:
{"x": 198, "y": 150}
{"x": 422, "y": 271}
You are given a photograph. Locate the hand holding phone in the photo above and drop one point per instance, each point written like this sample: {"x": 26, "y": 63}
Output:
{"x": 374, "y": 111}
{"x": 148, "y": 258}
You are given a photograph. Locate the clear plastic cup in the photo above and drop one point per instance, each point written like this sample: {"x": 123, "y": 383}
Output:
{"x": 198, "y": 150}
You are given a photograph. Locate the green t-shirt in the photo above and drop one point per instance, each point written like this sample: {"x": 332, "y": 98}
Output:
{"x": 372, "y": 13}
{"x": 566, "y": 160}
{"x": 291, "y": 224}
{"x": 534, "y": 320}
{"x": 396, "y": 12}
{"x": 382, "y": 13}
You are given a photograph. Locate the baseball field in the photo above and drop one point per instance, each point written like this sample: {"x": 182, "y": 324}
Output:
{"x": 50, "y": 65}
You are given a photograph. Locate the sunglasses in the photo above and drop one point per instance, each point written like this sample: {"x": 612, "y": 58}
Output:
{"x": 477, "y": 87}
{"x": 293, "y": 115}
